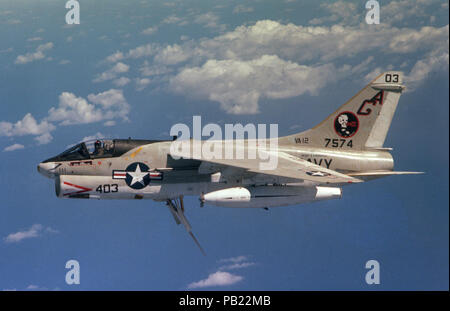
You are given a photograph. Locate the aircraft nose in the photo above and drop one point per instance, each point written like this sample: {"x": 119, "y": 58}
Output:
{"x": 47, "y": 169}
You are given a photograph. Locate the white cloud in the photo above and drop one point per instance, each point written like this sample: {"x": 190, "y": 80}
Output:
{"x": 109, "y": 100}
{"x": 74, "y": 110}
{"x": 112, "y": 73}
{"x": 140, "y": 51}
{"x": 149, "y": 30}
{"x": 115, "y": 57}
{"x": 398, "y": 11}
{"x": 432, "y": 62}
{"x": 342, "y": 11}
{"x": 238, "y": 85}
{"x": 273, "y": 60}
{"x": 105, "y": 106}
{"x": 154, "y": 70}
{"x": 36, "y": 55}
{"x": 173, "y": 19}
{"x": 171, "y": 55}
{"x": 209, "y": 20}
{"x": 142, "y": 83}
{"x": 27, "y": 126}
{"x": 301, "y": 43}
{"x": 44, "y": 138}
{"x": 298, "y": 43}
{"x": 219, "y": 278}
{"x": 14, "y": 147}
{"x": 122, "y": 81}
{"x": 77, "y": 110}
{"x": 34, "y": 231}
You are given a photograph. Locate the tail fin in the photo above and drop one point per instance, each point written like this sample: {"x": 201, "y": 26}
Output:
{"x": 361, "y": 123}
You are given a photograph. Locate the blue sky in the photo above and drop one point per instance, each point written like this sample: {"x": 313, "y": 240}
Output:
{"x": 135, "y": 68}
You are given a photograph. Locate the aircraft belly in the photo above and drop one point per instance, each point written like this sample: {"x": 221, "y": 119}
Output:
{"x": 105, "y": 187}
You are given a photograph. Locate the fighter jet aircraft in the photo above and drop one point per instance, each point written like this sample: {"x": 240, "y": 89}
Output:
{"x": 347, "y": 147}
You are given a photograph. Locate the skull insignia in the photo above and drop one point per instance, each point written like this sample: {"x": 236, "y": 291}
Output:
{"x": 346, "y": 124}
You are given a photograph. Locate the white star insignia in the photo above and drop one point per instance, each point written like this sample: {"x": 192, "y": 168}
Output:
{"x": 138, "y": 176}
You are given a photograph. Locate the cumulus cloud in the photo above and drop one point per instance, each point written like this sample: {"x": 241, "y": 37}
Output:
{"x": 171, "y": 55}
{"x": 36, "y": 55}
{"x": 100, "y": 107}
{"x": 269, "y": 59}
{"x": 155, "y": 69}
{"x": 113, "y": 104}
{"x": 14, "y": 147}
{"x": 298, "y": 43}
{"x": 223, "y": 277}
{"x": 122, "y": 81}
{"x": 140, "y": 51}
{"x": 404, "y": 11}
{"x": 432, "y": 62}
{"x": 342, "y": 11}
{"x": 44, "y": 138}
{"x": 27, "y": 126}
{"x": 209, "y": 20}
{"x": 238, "y": 85}
{"x": 142, "y": 83}
{"x": 219, "y": 278}
{"x": 113, "y": 72}
{"x": 34, "y": 231}
{"x": 74, "y": 110}
{"x": 115, "y": 57}
{"x": 106, "y": 106}
{"x": 173, "y": 19}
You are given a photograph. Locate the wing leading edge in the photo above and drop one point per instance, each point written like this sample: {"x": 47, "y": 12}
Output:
{"x": 287, "y": 166}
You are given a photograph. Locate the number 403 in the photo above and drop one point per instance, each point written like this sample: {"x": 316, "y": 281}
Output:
{"x": 107, "y": 188}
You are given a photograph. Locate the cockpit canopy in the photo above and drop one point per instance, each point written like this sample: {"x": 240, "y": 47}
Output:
{"x": 88, "y": 150}
{"x": 99, "y": 148}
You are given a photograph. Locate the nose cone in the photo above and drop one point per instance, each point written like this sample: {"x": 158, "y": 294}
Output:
{"x": 47, "y": 169}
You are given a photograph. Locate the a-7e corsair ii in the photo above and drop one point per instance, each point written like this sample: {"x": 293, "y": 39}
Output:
{"x": 347, "y": 147}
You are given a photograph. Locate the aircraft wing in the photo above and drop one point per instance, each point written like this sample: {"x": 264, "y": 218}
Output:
{"x": 287, "y": 166}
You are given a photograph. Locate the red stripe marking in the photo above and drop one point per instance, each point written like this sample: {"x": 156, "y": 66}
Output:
{"x": 83, "y": 189}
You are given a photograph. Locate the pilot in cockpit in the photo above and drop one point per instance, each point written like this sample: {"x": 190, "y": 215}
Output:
{"x": 98, "y": 148}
